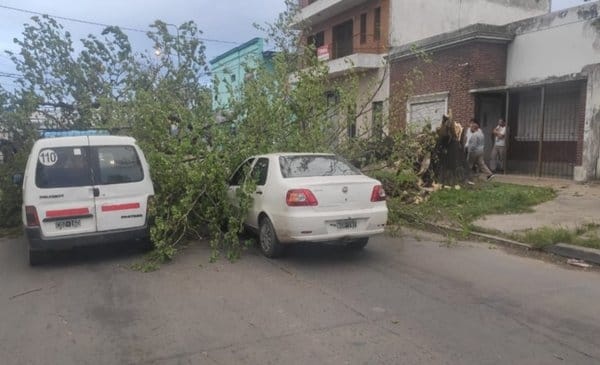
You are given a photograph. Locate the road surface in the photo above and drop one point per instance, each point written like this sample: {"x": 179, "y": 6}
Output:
{"x": 403, "y": 300}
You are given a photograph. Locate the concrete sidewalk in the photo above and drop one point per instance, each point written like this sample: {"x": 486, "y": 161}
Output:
{"x": 575, "y": 205}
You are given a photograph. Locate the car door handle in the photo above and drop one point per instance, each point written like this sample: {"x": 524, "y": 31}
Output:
{"x": 96, "y": 192}
{"x": 258, "y": 192}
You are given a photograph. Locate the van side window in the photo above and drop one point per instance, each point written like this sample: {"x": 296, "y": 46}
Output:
{"x": 63, "y": 167}
{"x": 117, "y": 165}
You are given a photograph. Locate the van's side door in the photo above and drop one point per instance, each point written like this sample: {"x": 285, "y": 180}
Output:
{"x": 61, "y": 190}
{"x": 122, "y": 184}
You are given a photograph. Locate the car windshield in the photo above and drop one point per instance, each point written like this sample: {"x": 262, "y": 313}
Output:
{"x": 315, "y": 165}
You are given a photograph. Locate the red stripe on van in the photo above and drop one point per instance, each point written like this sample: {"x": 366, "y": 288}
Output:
{"x": 115, "y": 207}
{"x": 66, "y": 212}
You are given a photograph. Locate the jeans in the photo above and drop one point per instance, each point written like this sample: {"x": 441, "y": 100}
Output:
{"x": 497, "y": 158}
{"x": 476, "y": 158}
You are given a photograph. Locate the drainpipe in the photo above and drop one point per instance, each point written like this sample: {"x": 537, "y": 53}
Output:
{"x": 542, "y": 117}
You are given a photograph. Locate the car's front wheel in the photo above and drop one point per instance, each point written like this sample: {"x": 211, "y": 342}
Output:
{"x": 358, "y": 244}
{"x": 269, "y": 244}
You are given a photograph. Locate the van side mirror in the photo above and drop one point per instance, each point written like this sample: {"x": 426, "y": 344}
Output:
{"x": 17, "y": 179}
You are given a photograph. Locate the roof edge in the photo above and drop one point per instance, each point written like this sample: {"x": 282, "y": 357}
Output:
{"x": 235, "y": 49}
{"x": 479, "y": 31}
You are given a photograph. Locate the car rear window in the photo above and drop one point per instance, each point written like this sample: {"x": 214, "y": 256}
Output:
{"x": 64, "y": 167}
{"x": 315, "y": 165}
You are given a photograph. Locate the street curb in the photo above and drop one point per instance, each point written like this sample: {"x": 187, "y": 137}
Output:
{"x": 560, "y": 249}
{"x": 485, "y": 236}
{"x": 582, "y": 253}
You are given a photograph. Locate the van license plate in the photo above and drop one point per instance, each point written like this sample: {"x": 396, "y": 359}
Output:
{"x": 346, "y": 224}
{"x": 68, "y": 223}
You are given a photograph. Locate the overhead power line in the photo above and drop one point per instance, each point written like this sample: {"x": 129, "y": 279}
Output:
{"x": 10, "y": 75}
{"x": 75, "y": 20}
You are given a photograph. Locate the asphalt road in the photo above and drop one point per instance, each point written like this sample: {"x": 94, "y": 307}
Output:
{"x": 401, "y": 301}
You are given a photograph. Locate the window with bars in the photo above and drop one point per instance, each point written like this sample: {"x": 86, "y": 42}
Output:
{"x": 363, "y": 28}
{"x": 560, "y": 115}
{"x": 377, "y": 116}
{"x": 377, "y": 24}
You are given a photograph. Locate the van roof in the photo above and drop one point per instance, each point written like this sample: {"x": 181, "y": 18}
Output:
{"x": 78, "y": 141}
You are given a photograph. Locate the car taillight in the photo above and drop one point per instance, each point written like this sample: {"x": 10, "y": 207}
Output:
{"x": 31, "y": 216}
{"x": 300, "y": 198}
{"x": 378, "y": 194}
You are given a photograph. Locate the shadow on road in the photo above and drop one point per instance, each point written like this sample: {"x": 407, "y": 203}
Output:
{"x": 321, "y": 254}
{"x": 113, "y": 252}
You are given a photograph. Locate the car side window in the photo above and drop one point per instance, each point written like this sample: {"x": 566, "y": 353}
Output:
{"x": 260, "y": 171}
{"x": 240, "y": 174}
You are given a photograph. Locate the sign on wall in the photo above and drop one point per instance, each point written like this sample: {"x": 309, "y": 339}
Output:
{"x": 323, "y": 53}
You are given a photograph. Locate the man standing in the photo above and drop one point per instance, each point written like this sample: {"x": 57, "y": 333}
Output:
{"x": 475, "y": 150}
{"x": 466, "y": 135}
{"x": 497, "y": 160}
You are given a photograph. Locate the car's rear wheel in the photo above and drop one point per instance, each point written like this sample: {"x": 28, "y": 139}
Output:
{"x": 269, "y": 244}
{"x": 37, "y": 257}
{"x": 358, "y": 244}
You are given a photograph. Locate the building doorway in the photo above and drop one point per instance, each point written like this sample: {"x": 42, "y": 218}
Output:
{"x": 490, "y": 108}
{"x": 546, "y": 125}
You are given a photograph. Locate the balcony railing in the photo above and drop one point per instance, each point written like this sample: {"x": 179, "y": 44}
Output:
{"x": 345, "y": 48}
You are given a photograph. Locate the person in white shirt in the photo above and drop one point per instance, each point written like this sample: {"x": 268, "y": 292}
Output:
{"x": 497, "y": 158}
{"x": 466, "y": 135}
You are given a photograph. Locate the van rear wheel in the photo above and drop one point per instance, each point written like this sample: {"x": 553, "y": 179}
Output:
{"x": 36, "y": 257}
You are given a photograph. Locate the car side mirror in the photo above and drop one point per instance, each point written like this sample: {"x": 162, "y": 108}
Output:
{"x": 17, "y": 179}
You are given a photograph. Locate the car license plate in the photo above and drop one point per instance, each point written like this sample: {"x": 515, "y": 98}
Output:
{"x": 68, "y": 223}
{"x": 346, "y": 224}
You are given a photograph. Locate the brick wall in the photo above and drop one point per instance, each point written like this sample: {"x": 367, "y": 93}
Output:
{"x": 456, "y": 70}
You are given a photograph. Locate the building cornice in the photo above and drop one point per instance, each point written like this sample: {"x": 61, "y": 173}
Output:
{"x": 476, "y": 32}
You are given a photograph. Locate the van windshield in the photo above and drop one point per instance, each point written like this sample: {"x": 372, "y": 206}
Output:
{"x": 63, "y": 167}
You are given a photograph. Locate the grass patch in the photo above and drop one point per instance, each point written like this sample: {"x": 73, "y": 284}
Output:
{"x": 586, "y": 236}
{"x": 12, "y": 232}
{"x": 546, "y": 236}
{"x": 459, "y": 208}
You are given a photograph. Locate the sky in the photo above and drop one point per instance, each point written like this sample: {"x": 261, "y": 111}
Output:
{"x": 226, "y": 20}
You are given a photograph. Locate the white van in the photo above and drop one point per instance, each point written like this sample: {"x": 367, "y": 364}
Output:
{"x": 85, "y": 190}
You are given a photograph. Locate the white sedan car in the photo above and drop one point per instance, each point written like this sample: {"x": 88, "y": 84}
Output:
{"x": 304, "y": 197}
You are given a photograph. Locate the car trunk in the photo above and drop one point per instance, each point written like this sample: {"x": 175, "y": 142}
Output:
{"x": 335, "y": 193}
